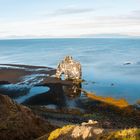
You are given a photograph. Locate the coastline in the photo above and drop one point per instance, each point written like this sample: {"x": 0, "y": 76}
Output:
{"x": 89, "y": 107}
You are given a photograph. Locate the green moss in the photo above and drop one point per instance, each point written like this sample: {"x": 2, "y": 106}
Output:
{"x": 56, "y": 133}
{"x": 126, "y": 134}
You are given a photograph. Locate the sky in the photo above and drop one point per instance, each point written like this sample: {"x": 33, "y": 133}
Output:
{"x": 69, "y": 18}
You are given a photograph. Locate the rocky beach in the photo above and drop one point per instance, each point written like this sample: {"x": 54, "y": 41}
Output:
{"x": 60, "y": 109}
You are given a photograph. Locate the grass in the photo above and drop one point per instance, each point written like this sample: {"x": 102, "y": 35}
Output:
{"x": 56, "y": 133}
{"x": 126, "y": 134}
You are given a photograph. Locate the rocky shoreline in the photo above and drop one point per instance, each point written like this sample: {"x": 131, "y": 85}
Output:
{"x": 98, "y": 117}
{"x": 19, "y": 122}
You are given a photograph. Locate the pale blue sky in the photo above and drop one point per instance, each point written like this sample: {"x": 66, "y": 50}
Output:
{"x": 67, "y": 18}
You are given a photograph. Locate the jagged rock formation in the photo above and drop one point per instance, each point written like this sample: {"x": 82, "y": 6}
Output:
{"x": 70, "y": 68}
{"x": 17, "y": 122}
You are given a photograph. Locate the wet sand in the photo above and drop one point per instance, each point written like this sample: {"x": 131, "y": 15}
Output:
{"x": 10, "y": 73}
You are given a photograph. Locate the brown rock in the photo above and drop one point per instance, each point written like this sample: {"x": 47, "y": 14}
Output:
{"x": 18, "y": 122}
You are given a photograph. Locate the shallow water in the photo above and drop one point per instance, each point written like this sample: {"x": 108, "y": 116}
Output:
{"x": 21, "y": 93}
{"x": 103, "y": 61}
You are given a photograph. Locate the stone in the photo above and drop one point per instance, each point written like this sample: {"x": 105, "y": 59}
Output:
{"x": 127, "y": 63}
{"x": 90, "y": 122}
{"x": 70, "y": 68}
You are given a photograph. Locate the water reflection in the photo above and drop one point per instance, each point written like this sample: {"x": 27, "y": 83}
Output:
{"x": 62, "y": 96}
{"x": 53, "y": 94}
{"x": 72, "y": 91}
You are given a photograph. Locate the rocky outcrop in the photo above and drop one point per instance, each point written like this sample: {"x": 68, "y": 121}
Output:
{"x": 18, "y": 122}
{"x": 91, "y": 131}
{"x": 70, "y": 68}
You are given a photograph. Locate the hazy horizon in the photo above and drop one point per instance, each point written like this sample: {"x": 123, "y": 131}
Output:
{"x": 69, "y": 19}
{"x": 43, "y": 38}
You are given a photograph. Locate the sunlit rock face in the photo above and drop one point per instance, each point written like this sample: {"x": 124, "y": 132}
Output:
{"x": 70, "y": 68}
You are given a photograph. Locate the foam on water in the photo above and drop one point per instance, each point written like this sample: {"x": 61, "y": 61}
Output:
{"x": 32, "y": 80}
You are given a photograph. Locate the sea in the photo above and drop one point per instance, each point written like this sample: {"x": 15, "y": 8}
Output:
{"x": 110, "y": 66}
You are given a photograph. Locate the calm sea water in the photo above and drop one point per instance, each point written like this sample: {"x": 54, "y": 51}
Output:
{"x": 103, "y": 61}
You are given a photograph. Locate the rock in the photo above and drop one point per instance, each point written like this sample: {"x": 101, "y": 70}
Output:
{"x": 85, "y": 132}
{"x": 91, "y": 132}
{"x": 4, "y": 82}
{"x": 127, "y": 63}
{"x": 70, "y": 68}
{"x": 90, "y": 122}
{"x": 18, "y": 122}
{"x": 112, "y": 84}
{"x": 76, "y": 132}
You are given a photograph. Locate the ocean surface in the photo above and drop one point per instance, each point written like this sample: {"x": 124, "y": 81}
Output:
{"x": 111, "y": 67}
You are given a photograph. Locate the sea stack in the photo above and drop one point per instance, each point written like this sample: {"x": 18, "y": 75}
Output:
{"x": 70, "y": 68}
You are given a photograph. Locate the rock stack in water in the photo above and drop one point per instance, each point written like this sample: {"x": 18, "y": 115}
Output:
{"x": 70, "y": 68}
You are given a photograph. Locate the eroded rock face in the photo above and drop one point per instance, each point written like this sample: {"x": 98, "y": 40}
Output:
{"x": 18, "y": 122}
{"x": 70, "y": 68}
